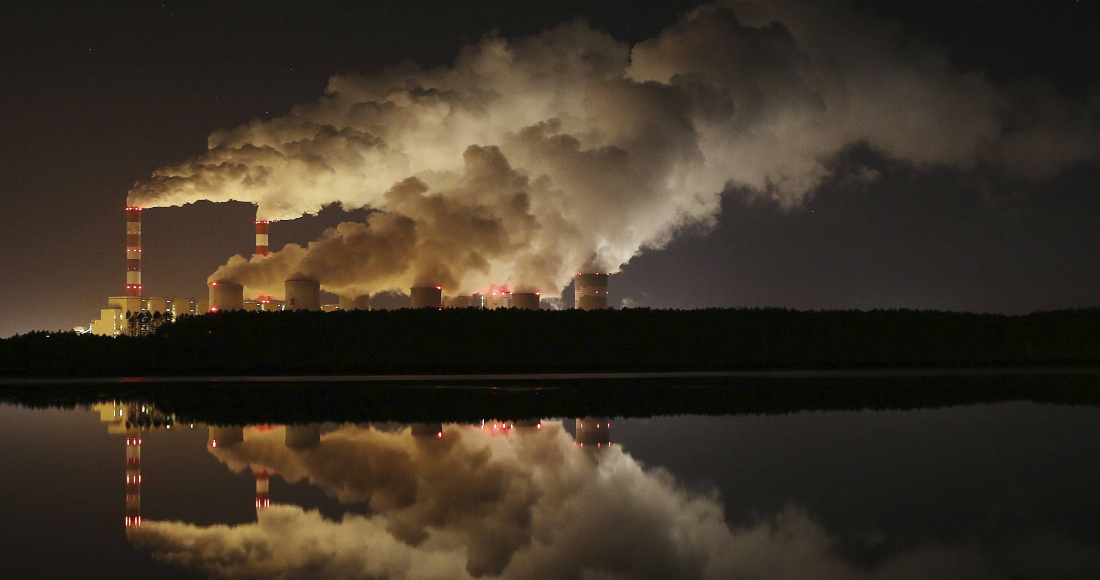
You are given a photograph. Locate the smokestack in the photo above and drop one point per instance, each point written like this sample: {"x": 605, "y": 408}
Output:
{"x": 357, "y": 303}
{"x": 263, "y": 484}
{"x": 591, "y": 290}
{"x": 261, "y": 238}
{"x": 427, "y": 297}
{"x": 133, "y": 251}
{"x": 526, "y": 300}
{"x": 133, "y": 478}
{"x": 226, "y": 296}
{"x": 302, "y": 294}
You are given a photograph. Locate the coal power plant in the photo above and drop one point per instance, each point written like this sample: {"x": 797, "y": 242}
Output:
{"x": 300, "y": 292}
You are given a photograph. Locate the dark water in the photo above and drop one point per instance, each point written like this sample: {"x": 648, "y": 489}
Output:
{"x": 1006, "y": 490}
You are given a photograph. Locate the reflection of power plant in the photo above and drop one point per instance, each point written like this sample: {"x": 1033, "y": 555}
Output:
{"x": 132, "y": 419}
{"x": 594, "y": 432}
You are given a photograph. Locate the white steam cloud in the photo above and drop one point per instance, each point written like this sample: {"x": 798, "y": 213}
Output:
{"x": 535, "y": 506}
{"x": 529, "y": 159}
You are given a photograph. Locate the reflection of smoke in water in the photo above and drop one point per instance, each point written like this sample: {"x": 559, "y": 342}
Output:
{"x": 520, "y": 502}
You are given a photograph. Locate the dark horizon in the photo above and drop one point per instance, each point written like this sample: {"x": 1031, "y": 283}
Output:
{"x": 101, "y": 96}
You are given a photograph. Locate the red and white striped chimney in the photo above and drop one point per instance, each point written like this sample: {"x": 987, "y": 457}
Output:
{"x": 133, "y": 478}
{"x": 133, "y": 251}
{"x": 261, "y": 238}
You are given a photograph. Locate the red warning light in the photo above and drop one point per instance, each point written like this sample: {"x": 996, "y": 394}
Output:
{"x": 439, "y": 435}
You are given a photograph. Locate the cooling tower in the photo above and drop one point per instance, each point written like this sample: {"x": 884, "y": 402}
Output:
{"x": 457, "y": 302}
{"x": 426, "y": 296}
{"x": 591, "y": 290}
{"x": 302, "y": 436}
{"x": 133, "y": 251}
{"x": 594, "y": 432}
{"x": 226, "y": 296}
{"x": 495, "y": 300}
{"x": 526, "y": 300}
{"x": 302, "y": 295}
{"x": 261, "y": 238}
{"x": 358, "y": 303}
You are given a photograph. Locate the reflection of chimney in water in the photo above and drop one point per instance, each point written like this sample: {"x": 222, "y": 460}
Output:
{"x": 225, "y": 436}
{"x": 594, "y": 432}
{"x": 263, "y": 480}
{"x": 133, "y": 478}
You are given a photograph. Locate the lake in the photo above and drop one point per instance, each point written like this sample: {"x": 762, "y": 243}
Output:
{"x": 124, "y": 488}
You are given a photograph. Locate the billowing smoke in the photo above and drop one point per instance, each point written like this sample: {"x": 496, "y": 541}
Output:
{"x": 529, "y": 159}
{"x": 535, "y": 506}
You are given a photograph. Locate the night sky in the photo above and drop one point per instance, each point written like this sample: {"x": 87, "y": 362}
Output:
{"x": 97, "y": 97}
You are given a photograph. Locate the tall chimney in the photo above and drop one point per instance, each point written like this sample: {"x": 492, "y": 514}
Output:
{"x": 261, "y": 238}
{"x": 133, "y": 251}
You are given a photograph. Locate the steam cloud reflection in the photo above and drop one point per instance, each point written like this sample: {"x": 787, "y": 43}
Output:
{"x": 520, "y": 501}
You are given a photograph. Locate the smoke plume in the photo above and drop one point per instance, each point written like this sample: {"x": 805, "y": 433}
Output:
{"x": 531, "y": 158}
{"x": 533, "y": 505}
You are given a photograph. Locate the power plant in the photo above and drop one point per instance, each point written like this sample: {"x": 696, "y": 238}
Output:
{"x": 299, "y": 293}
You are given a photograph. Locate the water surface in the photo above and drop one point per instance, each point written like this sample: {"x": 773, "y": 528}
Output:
{"x": 1005, "y": 490}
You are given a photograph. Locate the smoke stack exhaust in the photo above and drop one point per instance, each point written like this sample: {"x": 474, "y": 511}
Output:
{"x": 261, "y": 238}
{"x": 426, "y": 297}
{"x": 133, "y": 251}
{"x": 590, "y": 290}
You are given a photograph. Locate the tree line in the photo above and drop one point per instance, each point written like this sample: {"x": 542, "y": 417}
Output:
{"x": 541, "y": 341}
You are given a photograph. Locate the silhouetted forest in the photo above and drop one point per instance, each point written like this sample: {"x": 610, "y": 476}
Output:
{"x": 540, "y": 341}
